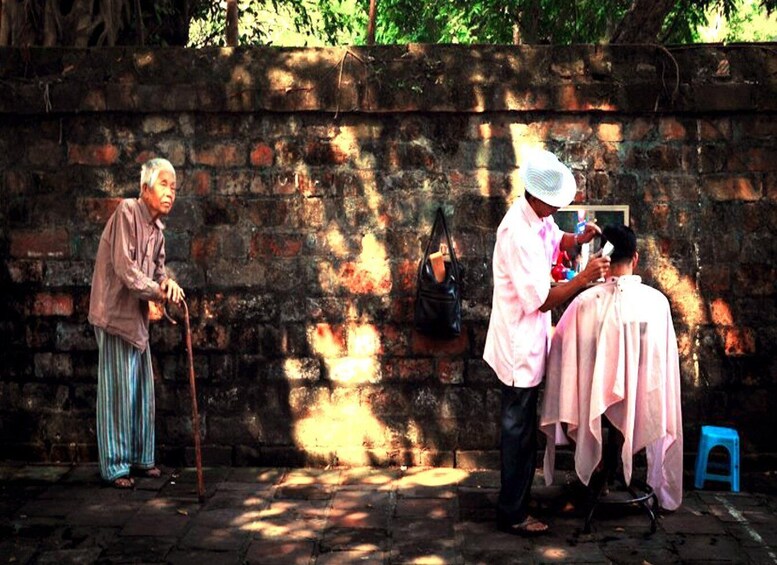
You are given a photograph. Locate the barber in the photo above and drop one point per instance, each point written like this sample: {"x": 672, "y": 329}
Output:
{"x": 516, "y": 345}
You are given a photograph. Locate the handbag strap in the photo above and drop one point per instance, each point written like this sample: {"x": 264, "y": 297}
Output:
{"x": 440, "y": 220}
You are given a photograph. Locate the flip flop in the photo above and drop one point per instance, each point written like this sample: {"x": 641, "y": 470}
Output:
{"x": 123, "y": 483}
{"x": 529, "y": 527}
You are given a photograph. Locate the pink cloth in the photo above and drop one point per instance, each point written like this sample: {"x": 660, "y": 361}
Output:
{"x": 517, "y": 340}
{"x": 614, "y": 354}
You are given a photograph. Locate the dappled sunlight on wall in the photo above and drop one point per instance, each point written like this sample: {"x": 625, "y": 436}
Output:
{"x": 340, "y": 428}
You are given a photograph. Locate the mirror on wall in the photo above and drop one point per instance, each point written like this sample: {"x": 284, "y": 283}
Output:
{"x": 568, "y": 217}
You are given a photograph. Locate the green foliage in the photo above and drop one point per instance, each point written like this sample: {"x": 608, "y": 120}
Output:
{"x": 343, "y": 22}
{"x": 281, "y": 22}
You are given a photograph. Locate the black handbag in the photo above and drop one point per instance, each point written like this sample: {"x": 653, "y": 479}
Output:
{"x": 438, "y": 304}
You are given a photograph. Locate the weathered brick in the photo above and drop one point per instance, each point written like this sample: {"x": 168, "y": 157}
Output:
{"x": 672, "y": 129}
{"x": 720, "y": 313}
{"x": 44, "y": 153}
{"x": 262, "y": 155}
{"x": 97, "y": 210}
{"x": 172, "y": 150}
{"x": 219, "y": 155}
{"x": 48, "y": 304}
{"x": 43, "y": 243}
{"x": 97, "y": 155}
{"x": 424, "y": 345}
{"x": 264, "y": 245}
{"x": 328, "y": 340}
{"x": 409, "y": 370}
{"x": 75, "y": 337}
{"x": 364, "y": 340}
{"x": 158, "y": 124}
{"x": 609, "y": 131}
{"x": 234, "y": 182}
{"x": 296, "y": 369}
{"x": 53, "y": 365}
{"x": 353, "y": 370}
{"x": 738, "y": 341}
{"x": 724, "y": 188}
{"x": 450, "y": 372}
{"x": 715, "y": 130}
{"x": 571, "y": 129}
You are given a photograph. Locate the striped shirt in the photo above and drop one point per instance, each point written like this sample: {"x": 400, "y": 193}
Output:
{"x": 129, "y": 267}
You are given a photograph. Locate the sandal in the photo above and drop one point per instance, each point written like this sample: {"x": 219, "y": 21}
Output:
{"x": 123, "y": 483}
{"x": 529, "y": 527}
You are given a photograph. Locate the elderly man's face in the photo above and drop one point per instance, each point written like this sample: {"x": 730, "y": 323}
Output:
{"x": 160, "y": 197}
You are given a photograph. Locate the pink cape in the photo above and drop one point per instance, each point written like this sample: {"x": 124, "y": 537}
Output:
{"x": 614, "y": 354}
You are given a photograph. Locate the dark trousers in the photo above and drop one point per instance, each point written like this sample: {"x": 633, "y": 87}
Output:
{"x": 519, "y": 452}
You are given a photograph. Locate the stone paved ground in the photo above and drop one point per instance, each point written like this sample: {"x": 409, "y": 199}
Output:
{"x": 58, "y": 514}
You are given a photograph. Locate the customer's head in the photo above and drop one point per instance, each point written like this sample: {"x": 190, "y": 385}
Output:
{"x": 547, "y": 179}
{"x": 624, "y": 241}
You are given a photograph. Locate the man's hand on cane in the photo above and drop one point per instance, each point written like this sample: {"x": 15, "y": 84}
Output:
{"x": 172, "y": 292}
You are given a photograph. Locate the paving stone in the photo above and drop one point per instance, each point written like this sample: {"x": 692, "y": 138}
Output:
{"x": 260, "y": 475}
{"x": 83, "y": 473}
{"x": 360, "y": 509}
{"x": 708, "y": 548}
{"x": 46, "y": 508}
{"x": 161, "y": 517}
{"x": 344, "y": 539}
{"x": 18, "y": 553}
{"x": 289, "y": 519}
{"x": 196, "y": 556}
{"x": 545, "y": 552}
{"x": 306, "y": 477}
{"x": 479, "y": 537}
{"x": 630, "y": 549}
{"x": 430, "y": 508}
{"x": 69, "y": 556}
{"x": 478, "y": 556}
{"x": 369, "y": 478}
{"x": 246, "y": 500}
{"x": 116, "y": 513}
{"x": 214, "y": 538}
{"x": 40, "y": 473}
{"x": 280, "y": 552}
{"x": 237, "y": 487}
{"x": 425, "y": 555}
{"x": 305, "y": 492}
{"x": 490, "y": 479}
{"x": 140, "y": 549}
{"x": 352, "y": 558}
{"x": 370, "y": 516}
{"x": 413, "y": 529}
{"x": 692, "y": 524}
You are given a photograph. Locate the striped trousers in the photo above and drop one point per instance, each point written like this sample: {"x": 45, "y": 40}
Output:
{"x": 125, "y": 407}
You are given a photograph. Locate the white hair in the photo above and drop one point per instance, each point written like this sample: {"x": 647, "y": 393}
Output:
{"x": 151, "y": 170}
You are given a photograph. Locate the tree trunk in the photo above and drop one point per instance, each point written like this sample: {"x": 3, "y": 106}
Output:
{"x": 371, "y": 23}
{"x": 643, "y": 22}
{"x": 232, "y": 23}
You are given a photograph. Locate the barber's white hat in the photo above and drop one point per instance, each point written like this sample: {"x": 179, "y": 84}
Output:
{"x": 547, "y": 178}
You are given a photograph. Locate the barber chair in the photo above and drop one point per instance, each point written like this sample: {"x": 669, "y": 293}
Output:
{"x": 608, "y": 487}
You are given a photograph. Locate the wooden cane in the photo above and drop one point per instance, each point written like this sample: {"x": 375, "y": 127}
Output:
{"x": 193, "y": 392}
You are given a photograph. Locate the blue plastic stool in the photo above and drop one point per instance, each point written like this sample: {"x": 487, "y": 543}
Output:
{"x": 714, "y": 436}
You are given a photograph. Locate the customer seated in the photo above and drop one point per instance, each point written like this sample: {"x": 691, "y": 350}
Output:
{"x": 614, "y": 355}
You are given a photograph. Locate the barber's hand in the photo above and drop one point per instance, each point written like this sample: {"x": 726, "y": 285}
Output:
{"x": 596, "y": 268}
{"x": 591, "y": 231}
{"x": 173, "y": 293}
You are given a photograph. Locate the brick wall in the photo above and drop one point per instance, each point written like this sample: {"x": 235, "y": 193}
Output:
{"x": 309, "y": 179}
